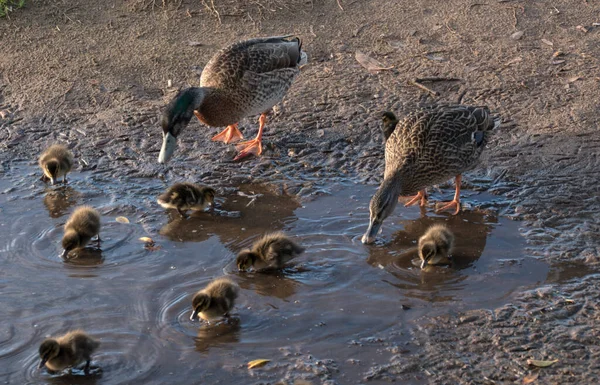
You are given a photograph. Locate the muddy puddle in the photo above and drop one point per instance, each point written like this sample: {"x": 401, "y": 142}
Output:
{"x": 322, "y": 316}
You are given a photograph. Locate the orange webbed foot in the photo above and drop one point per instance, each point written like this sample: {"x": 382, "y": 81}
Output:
{"x": 245, "y": 149}
{"x": 421, "y": 197}
{"x": 454, "y": 204}
{"x": 229, "y": 135}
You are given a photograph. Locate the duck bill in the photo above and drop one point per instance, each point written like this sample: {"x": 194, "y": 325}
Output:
{"x": 52, "y": 181}
{"x": 371, "y": 233}
{"x": 168, "y": 148}
{"x": 423, "y": 264}
{"x": 194, "y": 315}
{"x": 42, "y": 363}
{"x": 65, "y": 255}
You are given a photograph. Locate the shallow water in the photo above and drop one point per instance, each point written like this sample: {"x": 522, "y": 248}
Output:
{"x": 334, "y": 302}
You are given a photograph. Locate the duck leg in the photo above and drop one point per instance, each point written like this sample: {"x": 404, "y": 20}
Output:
{"x": 229, "y": 135}
{"x": 86, "y": 370}
{"x": 99, "y": 240}
{"x": 422, "y": 196}
{"x": 454, "y": 203}
{"x": 253, "y": 146}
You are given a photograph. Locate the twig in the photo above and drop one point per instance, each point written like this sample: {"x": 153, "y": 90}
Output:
{"x": 212, "y": 9}
{"x": 434, "y": 79}
{"x": 461, "y": 96}
{"x": 340, "y": 4}
{"x": 424, "y": 88}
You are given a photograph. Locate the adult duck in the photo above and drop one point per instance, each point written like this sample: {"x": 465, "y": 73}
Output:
{"x": 244, "y": 79}
{"x": 428, "y": 147}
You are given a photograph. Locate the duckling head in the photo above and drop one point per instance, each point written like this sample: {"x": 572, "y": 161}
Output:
{"x": 389, "y": 121}
{"x": 382, "y": 205}
{"x": 71, "y": 241}
{"x": 246, "y": 259}
{"x": 209, "y": 195}
{"x": 52, "y": 169}
{"x": 48, "y": 350}
{"x": 176, "y": 117}
{"x": 200, "y": 303}
{"x": 432, "y": 253}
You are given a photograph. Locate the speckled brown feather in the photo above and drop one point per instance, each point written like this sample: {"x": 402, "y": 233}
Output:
{"x": 432, "y": 145}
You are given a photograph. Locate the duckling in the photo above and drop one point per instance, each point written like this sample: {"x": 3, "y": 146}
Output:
{"x": 244, "y": 79}
{"x": 389, "y": 122}
{"x": 187, "y": 196}
{"x": 272, "y": 251}
{"x": 55, "y": 162}
{"x": 216, "y": 300}
{"x": 68, "y": 351}
{"x": 428, "y": 147}
{"x": 82, "y": 225}
{"x": 435, "y": 246}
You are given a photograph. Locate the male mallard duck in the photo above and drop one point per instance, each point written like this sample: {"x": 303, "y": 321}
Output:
{"x": 435, "y": 246}
{"x": 187, "y": 196}
{"x": 82, "y": 225}
{"x": 428, "y": 147}
{"x": 244, "y": 79}
{"x": 68, "y": 351}
{"x": 55, "y": 162}
{"x": 272, "y": 251}
{"x": 216, "y": 300}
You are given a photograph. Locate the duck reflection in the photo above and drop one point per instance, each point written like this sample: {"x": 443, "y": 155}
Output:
{"x": 59, "y": 200}
{"x": 247, "y": 214}
{"x": 87, "y": 256}
{"x": 76, "y": 376}
{"x": 271, "y": 284}
{"x": 401, "y": 258}
{"x": 214, "y": 335}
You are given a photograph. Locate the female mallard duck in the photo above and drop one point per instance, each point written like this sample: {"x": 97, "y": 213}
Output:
{"x": 272, "y": 251}
{"x": 390, "y": 122}
{"x": 187, "y": 196}
{"x": 244, "y": 79}
{"x": 428, "y": 147}
{"x": 435, "y": 246}
{"x": 55, "y": 162}
{"x": 68, "y": 351}
{"x": 216, "y": 300}
{"x": 82, "y": 225}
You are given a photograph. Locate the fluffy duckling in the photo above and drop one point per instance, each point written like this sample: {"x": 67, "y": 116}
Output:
{"x": 389, "y": 122}
{"x": 82, "y": 225}
{"x": 55, "y": 162}
{"x": 435, "y": 245}
{"x": 216, "y": 300}
{"x": 187, "y": 196}
{"x": 68, "y": 351}
{"x": 272, "y": 251}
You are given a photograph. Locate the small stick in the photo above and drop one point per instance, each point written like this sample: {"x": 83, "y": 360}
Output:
{"x": 421, "y": 86}
{"x": 437, "y": 79}
{"x": 340, "y": 5}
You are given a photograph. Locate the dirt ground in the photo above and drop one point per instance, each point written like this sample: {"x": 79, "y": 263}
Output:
{"x": 96, "y": 75}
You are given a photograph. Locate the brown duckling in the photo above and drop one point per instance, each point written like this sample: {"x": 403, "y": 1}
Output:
{"x": 435, "y": 246}
{"x": 272, "y": 251}
{"x": 187, "y": 196}
{"x": 82, "y": 225}
{"x": 68, "y": 351}
{"x": 55, "y": 162}
{"x": 216, "y": 300}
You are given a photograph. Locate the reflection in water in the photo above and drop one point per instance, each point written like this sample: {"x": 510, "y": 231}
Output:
{"x": 85, "y": 257}
{"x": 240, "y": 218}
{"x": 59, "y": 200}
{"x": 273, "y": 284}
{"x": 221, "y": 333}
{"x": 75, "y": 376}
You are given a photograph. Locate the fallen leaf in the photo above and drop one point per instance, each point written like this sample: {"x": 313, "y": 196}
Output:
{"x": 548, "y": 42}
{"x": 258, "y": 363}
{"x": 540, "y": 363}
{"x": 531, "y": 378}
{"x": 517, "y": 35}
{"x": 122, "y": 220}
{"x": 557, "y": 54}
{"x": 573, "y": 79}
{"x": 194, "y": 43}
{"x": 369, "y": 63}
{"x": 559, "y": 61}
{"x": 582, "y": 28}
{"x": 518, "y": 59}
{"x": 435, "y": 57}
{"x": 146, "y": 239}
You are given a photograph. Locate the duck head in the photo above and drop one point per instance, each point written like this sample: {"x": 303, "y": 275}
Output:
{"x": 382, "y": 205}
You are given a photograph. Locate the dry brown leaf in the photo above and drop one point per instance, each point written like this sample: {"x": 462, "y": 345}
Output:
{"x": 517, "y": 35}
{"x": 557, "y": 54}
{"x": 582, "y": 28}
{"x": 548, "y": 42}
{"x": 573, "y": 79}
{"x": 258, "y": 363}
{"x": 559, "y": 61}
{"x": 369, "y": 63}
{"x": 122, "y": 219}
{"x": 146, "y": 239}
{"x": 531, "y": 378}
{"x": 518, "y": 59}
{"x": 541, "y": 363}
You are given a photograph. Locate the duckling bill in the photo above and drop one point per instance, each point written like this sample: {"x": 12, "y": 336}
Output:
{"x": 55, "y": 162}
{"x": 435, "y": 246}
{"x": 67, "y": 351}
{"x": 272, "y": 251}
{"x": 216, "y": 300}
{"x": 187, "y": 196}
{"x": 81, "y": 227}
